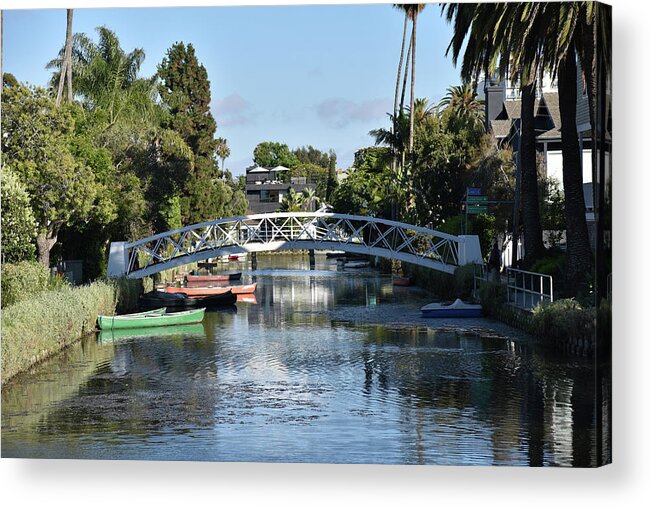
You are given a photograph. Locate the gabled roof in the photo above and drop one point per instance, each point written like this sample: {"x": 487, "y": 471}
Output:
{"x": 549, "y": 110}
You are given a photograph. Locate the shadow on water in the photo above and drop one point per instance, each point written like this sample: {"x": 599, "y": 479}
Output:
{"x": 325, "y": 366}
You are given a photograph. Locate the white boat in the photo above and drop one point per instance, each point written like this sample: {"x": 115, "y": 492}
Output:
{"x": 456, "y": 309}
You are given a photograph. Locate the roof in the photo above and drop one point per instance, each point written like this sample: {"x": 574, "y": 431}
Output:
{"x": 501, "y": 128}
{"x": 550, "y": 109}
{"x": 279, "y": 168}
{"x": 258, "y": 170}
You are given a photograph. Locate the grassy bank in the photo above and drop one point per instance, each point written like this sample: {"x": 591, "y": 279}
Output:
{"x": 36, "y": 328}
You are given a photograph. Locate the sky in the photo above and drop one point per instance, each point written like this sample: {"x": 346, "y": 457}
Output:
{"x": 320, "y": 75}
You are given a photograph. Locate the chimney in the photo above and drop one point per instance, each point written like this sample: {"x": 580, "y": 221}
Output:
{"x": 495, "y": 94}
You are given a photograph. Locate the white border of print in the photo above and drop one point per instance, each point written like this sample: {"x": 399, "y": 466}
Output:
{"x": 111, "y": 483}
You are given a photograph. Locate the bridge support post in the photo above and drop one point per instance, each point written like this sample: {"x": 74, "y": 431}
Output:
{"x": 118, "y": 261}
{"x": 254, "y": 260}
{"x": 312, "y": 260}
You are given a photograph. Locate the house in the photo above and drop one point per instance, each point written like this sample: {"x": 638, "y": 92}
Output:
{"x": 502, "y": 108}
{"x": 266, "y": 188}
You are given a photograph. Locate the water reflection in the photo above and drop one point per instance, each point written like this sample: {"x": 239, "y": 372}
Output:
{"x": 289, "y": 379}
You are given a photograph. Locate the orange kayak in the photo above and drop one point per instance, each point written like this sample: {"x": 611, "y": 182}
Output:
{"x": 209, "y": 291}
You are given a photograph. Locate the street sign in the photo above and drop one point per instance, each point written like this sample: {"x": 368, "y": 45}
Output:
{"x": 476, "y": 210}
{"x": 477, "y": 198}
{"x": 473, "y": 191}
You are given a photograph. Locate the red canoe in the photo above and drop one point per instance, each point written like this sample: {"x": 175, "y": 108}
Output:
{"x": 209, "y": 291}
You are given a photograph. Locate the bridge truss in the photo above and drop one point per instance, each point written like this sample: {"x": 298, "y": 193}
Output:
{"x": 293, "y": 231}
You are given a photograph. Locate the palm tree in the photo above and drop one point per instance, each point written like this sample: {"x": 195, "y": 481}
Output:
{"x": 462, "y": 101}
{"x": 292, "y": 202}
{"x": 501, "y": 41}
{"x": 66, "y": 66}
{"x": 107, "y": 76}
{"x": 223, "y": 151}
{"x": 309, "y": 197}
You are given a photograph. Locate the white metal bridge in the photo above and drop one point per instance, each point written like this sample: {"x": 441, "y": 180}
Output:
{"x": 293, "y": 231}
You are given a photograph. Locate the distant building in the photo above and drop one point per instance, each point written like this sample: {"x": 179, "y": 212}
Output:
{"x": 266, "y": 188}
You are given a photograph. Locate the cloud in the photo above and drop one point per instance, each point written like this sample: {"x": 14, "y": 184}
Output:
{"x": 234, "y": 111}
{"x": 337, "y": 112}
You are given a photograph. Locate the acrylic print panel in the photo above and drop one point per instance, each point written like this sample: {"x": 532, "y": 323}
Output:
{"x": 333, "y": 234}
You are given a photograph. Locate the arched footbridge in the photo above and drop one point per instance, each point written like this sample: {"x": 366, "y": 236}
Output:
{"x": 293, "y": 231}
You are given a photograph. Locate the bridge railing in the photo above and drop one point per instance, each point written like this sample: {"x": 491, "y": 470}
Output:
{"x": 320, "y": 230}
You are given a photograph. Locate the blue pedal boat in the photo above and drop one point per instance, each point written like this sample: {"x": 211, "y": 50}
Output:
{"x": 456, "y": 309}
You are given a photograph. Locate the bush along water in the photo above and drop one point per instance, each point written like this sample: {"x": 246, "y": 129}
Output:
{"x": 42, "y": 325}
{"x": 563, "y": 324}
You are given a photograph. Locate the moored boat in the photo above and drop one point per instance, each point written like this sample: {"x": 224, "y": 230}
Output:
{"x": 221, "y": 277}
{"x": 456, "y": 309}
{"x": 209, "y": 291}
{"x": 181, "y": 299}
{"x": 150, "y": 319}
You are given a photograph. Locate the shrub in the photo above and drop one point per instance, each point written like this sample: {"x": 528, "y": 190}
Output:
{"x": 552, "y": 264}
{"x": 44, "y": 324}
{"x": 463, "y": 281}
{"x": 23, "y": 280}
{"x": 564, "y": 319}
{"x": 492, "y": 297}
{"x": 127, "y": 292}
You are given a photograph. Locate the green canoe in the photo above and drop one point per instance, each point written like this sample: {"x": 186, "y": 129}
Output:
{"x": 131, "y": 321}
{"x": 113, "y": 335}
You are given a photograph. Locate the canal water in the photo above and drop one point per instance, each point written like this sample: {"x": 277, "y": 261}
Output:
{"x": 327, "y": 366}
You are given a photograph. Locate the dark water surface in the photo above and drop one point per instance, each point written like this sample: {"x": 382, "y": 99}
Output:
{"x": 327, "y": 366}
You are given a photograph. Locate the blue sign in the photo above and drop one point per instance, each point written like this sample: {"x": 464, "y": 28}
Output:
{"x": 473, "y": 191}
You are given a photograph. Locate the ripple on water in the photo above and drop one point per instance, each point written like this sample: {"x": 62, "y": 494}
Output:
{"x": 328, "y": 366}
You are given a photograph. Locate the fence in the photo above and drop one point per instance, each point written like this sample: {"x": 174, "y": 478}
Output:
{"x": 526, "y": 289}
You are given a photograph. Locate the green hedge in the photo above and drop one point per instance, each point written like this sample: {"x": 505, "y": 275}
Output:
{"x": 41, "y": 326}
{"x": 22, "y": 281}
{"x": 564, "y": 320}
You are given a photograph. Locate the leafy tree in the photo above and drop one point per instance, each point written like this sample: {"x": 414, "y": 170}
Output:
{"x": 37, "y": 147}
{"x": 270, "y": 154}
{"x": 310, "y": 155}
{"x": 107, "y": 83}
{"x": 18, "y": 223}
{"x": 313, "y": 174}
{"x": 185, "y": 91}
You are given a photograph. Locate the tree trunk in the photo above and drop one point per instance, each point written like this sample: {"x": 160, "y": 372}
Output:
{"x": 404, "y": 79}
{"x": 534, "y": 248}
{"x": 394, "y": 160}
{"x": 66, "y": 65}
{"x": 45, "y": 241}
{"x": 579, "y": 254}
{"x": 413, "y": 82}
{"x": 402, "y": 54}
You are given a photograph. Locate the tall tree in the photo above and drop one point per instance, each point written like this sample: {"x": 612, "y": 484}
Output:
{"x": 502, "y": 40}
{"x": 66, "y": 67}
{"x": 415, "y": 11}
{"x": 270, "y": 154}
{"x": 36, "y": 145}
{"x": 185, "y": 92}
